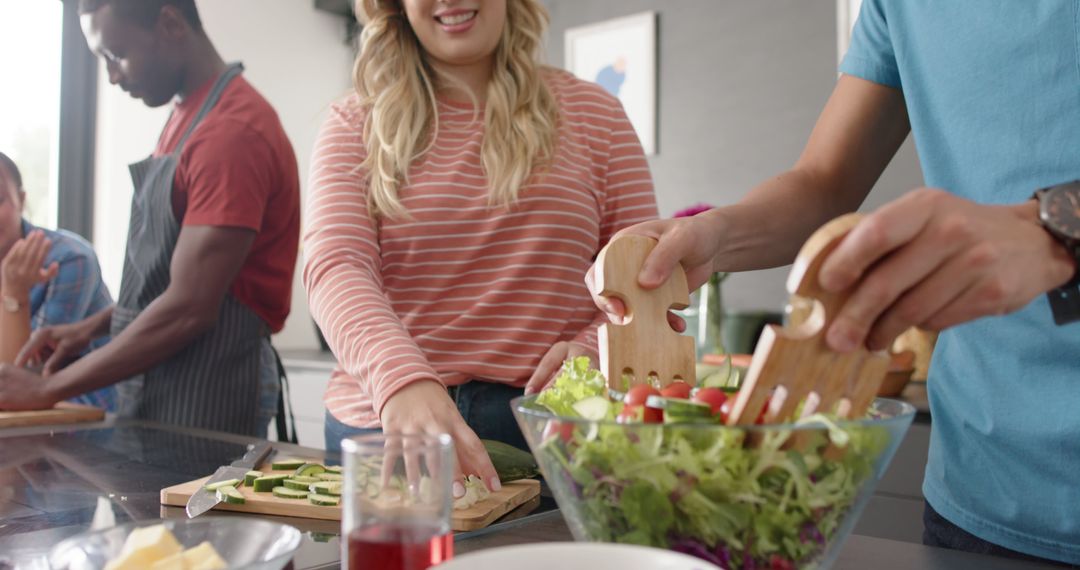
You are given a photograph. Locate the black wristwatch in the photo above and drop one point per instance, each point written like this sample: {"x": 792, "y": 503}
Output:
{"x": 1059, "y": 210}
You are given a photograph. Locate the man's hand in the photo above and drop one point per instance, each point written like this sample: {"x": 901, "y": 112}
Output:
{"x": 551, "y": 362}
{"x": 57, "y": 346}
{"x": 934, "y": 260}
{"x": 692, "y": 241}
{"x": 21, "y": 389}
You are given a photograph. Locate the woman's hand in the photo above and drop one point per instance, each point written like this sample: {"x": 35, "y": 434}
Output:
{"x": 551, "y": 362}
{"x": 426, "y": 407}
{"x": 22, "y": 268}
{"x": 934, "y": 260}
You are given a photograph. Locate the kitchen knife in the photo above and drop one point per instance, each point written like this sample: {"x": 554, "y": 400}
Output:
{"x": 203, "y": 500}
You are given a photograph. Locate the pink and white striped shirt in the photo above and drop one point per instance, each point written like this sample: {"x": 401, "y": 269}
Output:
{"x": 464, "y": 290}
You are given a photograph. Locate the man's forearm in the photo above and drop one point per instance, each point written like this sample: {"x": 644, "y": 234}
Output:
{"x": 163, "y": 329}
{"x": 102, "y": 321}
{"x": 768, "y": 226}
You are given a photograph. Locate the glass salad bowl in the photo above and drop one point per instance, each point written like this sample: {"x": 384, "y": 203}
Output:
{"x": 782, "y": 496}
{"x": 242, "y": 542}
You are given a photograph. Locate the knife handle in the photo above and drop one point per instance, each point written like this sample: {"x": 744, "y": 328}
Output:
{"x": 256, "y": 453}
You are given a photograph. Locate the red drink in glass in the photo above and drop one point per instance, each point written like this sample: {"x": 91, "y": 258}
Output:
{"x": 399, "y": 547}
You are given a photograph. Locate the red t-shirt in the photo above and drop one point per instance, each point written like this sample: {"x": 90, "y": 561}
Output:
{"x": 238, "y": 169}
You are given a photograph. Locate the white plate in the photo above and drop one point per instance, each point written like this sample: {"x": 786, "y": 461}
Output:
{"x": 575, "y": 556}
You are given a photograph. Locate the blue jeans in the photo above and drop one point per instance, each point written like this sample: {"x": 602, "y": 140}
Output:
{"x": 485, "y": 406}
{"x": 939, "y": 532}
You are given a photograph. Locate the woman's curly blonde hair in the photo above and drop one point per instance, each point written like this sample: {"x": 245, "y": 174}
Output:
{"x": 397, "y": 85}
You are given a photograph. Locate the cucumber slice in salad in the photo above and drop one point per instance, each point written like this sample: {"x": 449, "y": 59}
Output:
{"x": 593, "y": 408}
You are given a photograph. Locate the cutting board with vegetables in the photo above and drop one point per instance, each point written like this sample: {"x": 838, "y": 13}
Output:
{"x": 268, "y": 492}
{"x": 63, "y": 413}
{"x": 483, "y": 513}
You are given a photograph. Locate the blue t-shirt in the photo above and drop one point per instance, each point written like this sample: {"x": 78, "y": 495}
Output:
{"x": 992, "y": 89}
{"x": 76, "y": 293}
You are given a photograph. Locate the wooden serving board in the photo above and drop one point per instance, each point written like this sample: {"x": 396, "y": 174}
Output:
{"x": 475, "y": 517}
{"x": 63, "y": 413}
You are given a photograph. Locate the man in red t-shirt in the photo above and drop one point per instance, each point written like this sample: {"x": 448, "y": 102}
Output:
{"x": 212, "y": 246}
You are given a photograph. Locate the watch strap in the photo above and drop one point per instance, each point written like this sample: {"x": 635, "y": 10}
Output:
{"x": 1065, "y": 304}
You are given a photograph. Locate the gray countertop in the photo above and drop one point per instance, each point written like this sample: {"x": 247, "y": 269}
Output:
{"x": 51, "y": 479}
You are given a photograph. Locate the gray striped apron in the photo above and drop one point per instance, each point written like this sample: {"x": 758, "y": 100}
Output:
{"x": 213, "y": 382}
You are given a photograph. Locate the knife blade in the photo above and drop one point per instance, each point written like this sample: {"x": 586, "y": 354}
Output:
{"x": 202, "y": 500}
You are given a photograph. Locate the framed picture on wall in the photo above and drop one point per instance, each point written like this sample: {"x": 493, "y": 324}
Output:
{"x": 620, "y": 55}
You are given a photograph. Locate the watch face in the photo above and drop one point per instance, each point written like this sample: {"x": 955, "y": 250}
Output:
{"x": 1060, "y": 210}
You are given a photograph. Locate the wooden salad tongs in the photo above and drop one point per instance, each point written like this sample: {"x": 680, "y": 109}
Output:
{"x": 644, "y": 348}
{"x": 792, "y": 364}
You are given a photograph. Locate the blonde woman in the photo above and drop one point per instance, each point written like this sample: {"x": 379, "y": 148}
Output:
{"x": 456, "y": 201}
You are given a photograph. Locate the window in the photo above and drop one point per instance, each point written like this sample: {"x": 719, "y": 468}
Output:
{"x": 29, "y": 132}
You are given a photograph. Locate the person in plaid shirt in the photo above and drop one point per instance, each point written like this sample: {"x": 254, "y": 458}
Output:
{"x": 47, "y": 278}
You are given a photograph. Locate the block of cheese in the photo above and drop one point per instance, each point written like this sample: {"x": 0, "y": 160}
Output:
{"x": 174, "y": 562}
{"x": 145, "y": 546}
{"x": 203, "y": 557}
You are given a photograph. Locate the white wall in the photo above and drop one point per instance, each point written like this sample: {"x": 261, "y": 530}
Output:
{"x": 294, "y": 55}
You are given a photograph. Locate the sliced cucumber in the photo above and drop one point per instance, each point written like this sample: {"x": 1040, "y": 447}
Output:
{"x": 680, "y": 407}
{"x": 226, "y": 483}
{"x": 310, "y": 470}
{"x": 267, "y": 483}
{"x": 287, "y": 493}
{"x": 333, "y": 469}
{"x": 330, "y": 477}
{"x": 305, "y": 479}
{"x": 230, "y": 495}
{"x": 324, "y": 500}
{"x": 251, "y": 476}
{"x": 290, "y": 464}
{"x": 332, "y": 488}
{"x": 593, "y": 408}
{"x": 298, "y": 485}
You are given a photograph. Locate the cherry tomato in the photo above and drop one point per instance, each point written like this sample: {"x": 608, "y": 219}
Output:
{"x": 761, "y": 416}
{"x": 637, "y": 395}
{"x": 629, "y": 415}
{"x": 565, "y": 430}
{"x": 725, "y": 409}
{"x": 777, "y": 562}
{"x": 714, "y": 397}
{"x": 677, "y": 389}
{"x": 653, "y": 415}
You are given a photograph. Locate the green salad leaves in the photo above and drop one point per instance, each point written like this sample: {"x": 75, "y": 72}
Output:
{"x": 704, "y": 491}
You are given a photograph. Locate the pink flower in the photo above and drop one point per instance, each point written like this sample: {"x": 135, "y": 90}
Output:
{"x": 693, "y": 210}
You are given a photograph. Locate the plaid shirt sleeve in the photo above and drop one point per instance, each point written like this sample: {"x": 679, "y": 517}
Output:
{"x": 73, "y": 294}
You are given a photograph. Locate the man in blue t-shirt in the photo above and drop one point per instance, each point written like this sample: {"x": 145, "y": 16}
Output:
{"x": 990, "y": 91}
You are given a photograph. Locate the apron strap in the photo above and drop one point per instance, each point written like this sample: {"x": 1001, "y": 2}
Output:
{"x": 233, "y": 70}
{"x": 284, "y": 415}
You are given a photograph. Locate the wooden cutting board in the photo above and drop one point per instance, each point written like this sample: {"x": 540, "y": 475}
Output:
{"x": 475, "y": 517}
{"x": 63, "y": 413}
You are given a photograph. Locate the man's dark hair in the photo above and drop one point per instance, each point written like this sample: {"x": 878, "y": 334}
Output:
{"x": 144, "y": 12}
{"x": 8, "y": 165}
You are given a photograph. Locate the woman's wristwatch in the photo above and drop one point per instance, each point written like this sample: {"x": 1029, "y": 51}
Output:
{"x": 1059, "y": 211}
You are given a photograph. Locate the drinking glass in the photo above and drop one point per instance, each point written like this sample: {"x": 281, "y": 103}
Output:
{"x": 397, "y": 501}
